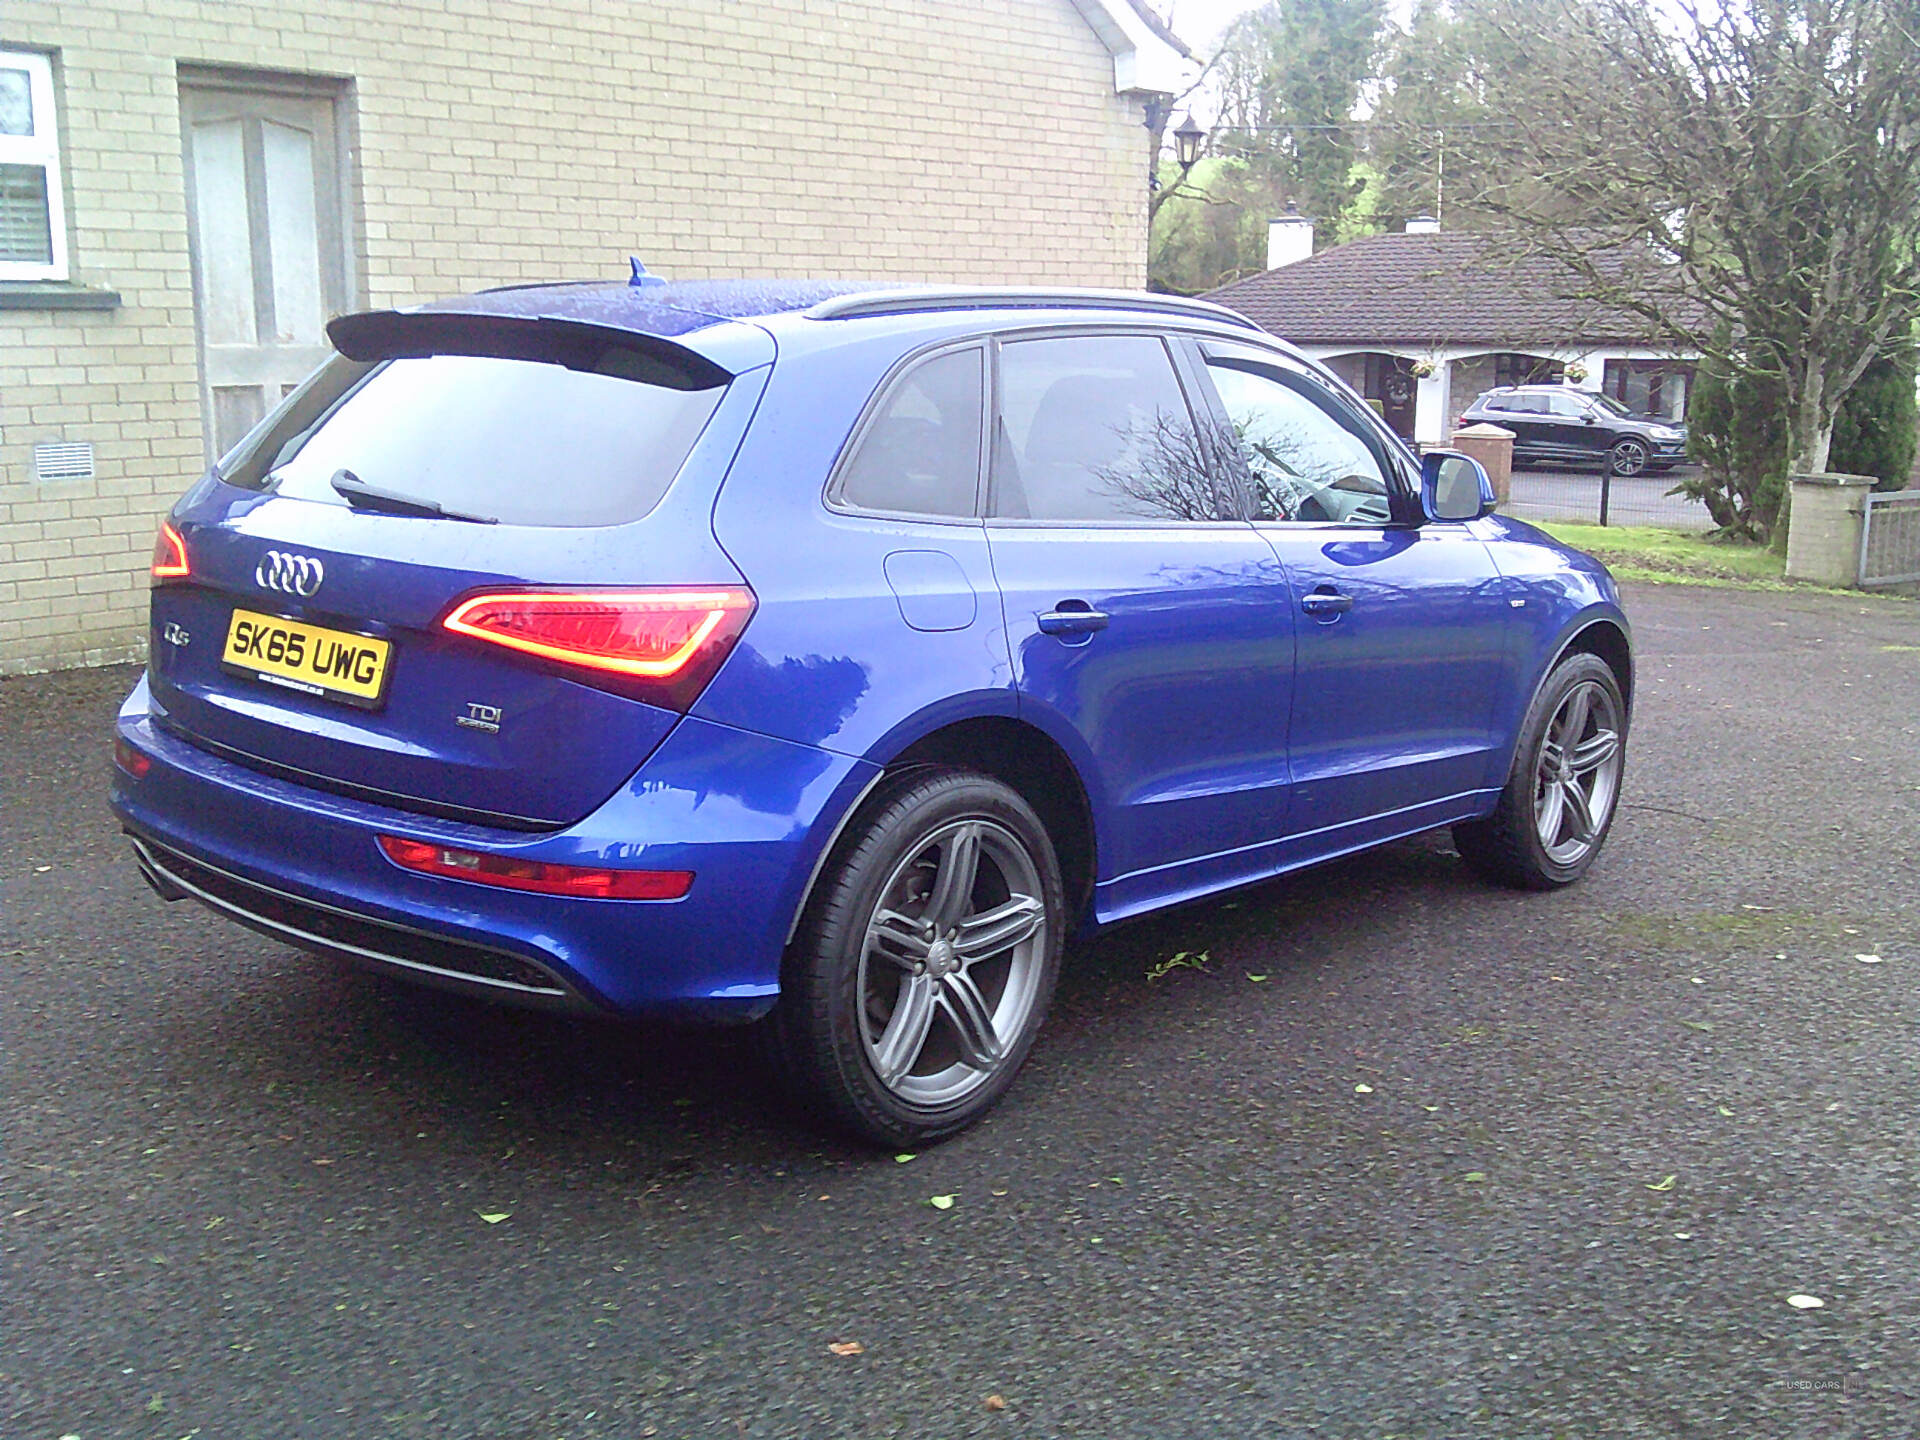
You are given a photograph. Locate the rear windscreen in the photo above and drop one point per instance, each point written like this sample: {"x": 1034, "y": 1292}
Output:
{"x": 518, "y": 441}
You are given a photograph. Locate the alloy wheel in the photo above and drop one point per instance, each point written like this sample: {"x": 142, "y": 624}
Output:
{"x": 951, "y": 963}
{"x": 1577, "y": 777}
{"x": 1629, "y": 457}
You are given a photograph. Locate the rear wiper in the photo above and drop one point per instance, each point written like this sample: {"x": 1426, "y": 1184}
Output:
{"x": 362, "y": 496}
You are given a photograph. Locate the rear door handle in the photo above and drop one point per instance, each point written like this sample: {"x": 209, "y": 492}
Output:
{"x": 1326, "y": 603}
{"x": 1072, "y": 621}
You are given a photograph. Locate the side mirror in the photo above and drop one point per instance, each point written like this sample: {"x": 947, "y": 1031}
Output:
{"x": 1454, "y": 486}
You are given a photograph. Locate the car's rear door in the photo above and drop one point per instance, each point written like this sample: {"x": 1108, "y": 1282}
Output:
{"x": 1400, "y": 628}
{"x": 1150, "y": 625}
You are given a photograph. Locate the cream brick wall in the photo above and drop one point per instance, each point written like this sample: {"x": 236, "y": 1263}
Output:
{"x": 494, "y": 143}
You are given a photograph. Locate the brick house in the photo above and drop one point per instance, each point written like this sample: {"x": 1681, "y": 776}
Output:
{"x": 1421, "y": 322}
{"x": 190, "y": 188}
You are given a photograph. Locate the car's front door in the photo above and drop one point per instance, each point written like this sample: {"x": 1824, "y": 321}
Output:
{"x": 1401, "y": 629}
{"x": 1577, "y": 429}
{"x": 1150, "y": 625}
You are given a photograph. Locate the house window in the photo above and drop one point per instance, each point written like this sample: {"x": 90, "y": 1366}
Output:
{"x": 33, "y": 227}
{"x": 1510, "y": 368}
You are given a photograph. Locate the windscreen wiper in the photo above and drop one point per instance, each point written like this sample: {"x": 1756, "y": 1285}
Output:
{"x": 362, "y": 496}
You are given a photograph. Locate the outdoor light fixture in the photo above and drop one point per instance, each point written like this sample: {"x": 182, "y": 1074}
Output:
{"x": 1186, "y": 143}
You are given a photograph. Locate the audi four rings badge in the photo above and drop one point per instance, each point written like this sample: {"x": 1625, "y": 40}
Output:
{"x": 288, "y": 573}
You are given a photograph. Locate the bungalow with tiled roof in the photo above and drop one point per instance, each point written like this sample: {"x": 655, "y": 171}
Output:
{"x": 1422, "y": 321}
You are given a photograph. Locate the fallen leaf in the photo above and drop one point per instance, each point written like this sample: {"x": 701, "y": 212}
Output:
{"x": 1868, "y": 959}
{"x": 41, "y": 869}
{"x": 996, "y": 1402}
{"x": 1665, "y": 1185}
{"x": 996, "y": 1193}
{"x": 1256, "y": 979}
{"x": 157, "y": 1405}
{"x": 847, "y": 1347}
{"x": 940, "y": 1202}
{"x": 1702, "y": 1025}
{"x": 1756, "y": 907}
{"x": 493, "y": 1217}
{"x": 1683, "y": 1234}
{"x": 903, "y": 1157}
{"x": 1363, "y": 1088}
{"x": 1431, "y": 1109}
{"x": 1475, "y": 1177}
{"x": 1806, "y": 1302}
{"x": 1724, "y": 1111}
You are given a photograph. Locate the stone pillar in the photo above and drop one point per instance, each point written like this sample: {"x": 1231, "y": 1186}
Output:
{"x": 1492, "y": 446}
{"x": 1823, "y": 528}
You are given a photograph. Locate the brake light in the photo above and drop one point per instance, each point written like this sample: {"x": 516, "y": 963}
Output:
{"x": 169, "y": 554}
{"x": 661, "y": 645}
{"x": 583, "y": 881}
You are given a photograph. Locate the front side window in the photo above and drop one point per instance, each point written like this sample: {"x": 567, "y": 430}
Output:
{"x": 1096, "y": 429}
{"x": 1303, "y": 463}
{"x": 33, "y": 227}
{"x": 920, "y": 454}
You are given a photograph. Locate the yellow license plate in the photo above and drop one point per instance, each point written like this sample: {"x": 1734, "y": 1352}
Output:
{"x": 333, "y": 664}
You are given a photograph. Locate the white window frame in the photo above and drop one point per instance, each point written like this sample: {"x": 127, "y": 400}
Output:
{"x": 41, "y": 148}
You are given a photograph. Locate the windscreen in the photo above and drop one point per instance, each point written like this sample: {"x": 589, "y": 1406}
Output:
{"x": 519, "y": 441}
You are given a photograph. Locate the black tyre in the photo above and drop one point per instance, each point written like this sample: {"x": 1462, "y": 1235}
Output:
{"x": 1561, "y": 795}
{"x": 925, "y": 960}
{"x": 1628, "y": 456}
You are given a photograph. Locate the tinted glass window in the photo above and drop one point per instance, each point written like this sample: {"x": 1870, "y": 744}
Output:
{"x": 921, "y": 453}
{"x": 1525, "y": 404}
{"x": 1568, "y": 404}
{"x": 1303, "y": 462}
{"x": 1096, "y": 428}
{"x": 519, "y": 441}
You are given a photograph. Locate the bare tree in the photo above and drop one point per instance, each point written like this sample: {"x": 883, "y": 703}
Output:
{"x": 1743, "y": 167}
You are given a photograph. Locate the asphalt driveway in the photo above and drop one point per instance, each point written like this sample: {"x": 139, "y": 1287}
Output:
{"x": 1410, "y": 1157}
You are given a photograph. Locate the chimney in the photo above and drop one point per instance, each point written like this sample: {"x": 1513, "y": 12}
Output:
{"x": 1289, "y": 238}
{"x": 1423, "y": 225}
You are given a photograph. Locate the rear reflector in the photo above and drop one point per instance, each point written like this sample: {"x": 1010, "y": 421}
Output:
{"x": 588, "y": 882}
{"x": 169, "y": 554}
{"x": 663, "y": 645}
{"x": 136, "y": 763}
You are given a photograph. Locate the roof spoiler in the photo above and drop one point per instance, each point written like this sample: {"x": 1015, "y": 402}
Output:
{"x": 375, "y": 335}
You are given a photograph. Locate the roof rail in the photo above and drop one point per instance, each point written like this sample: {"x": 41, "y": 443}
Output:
{"x": 918, "y": 299}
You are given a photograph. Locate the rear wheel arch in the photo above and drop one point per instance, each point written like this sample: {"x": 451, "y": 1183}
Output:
{"x": 1031, "y": 762}
{"x": 1021, "y": 756}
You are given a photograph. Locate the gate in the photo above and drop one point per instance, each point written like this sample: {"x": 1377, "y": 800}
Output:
{"x": 1890, "y": 539}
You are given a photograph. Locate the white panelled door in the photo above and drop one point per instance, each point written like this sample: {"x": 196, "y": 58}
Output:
{"x": 264, "y": 201}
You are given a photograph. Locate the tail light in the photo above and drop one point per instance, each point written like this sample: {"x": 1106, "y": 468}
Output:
{"x": 169, "y": 555}
{"x": 659, "y": 645}
{"x": 135, "y": 762}
{"x": 582, "y": 881}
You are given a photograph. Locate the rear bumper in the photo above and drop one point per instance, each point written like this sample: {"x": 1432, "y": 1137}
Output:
{"x": 745, "y": 813}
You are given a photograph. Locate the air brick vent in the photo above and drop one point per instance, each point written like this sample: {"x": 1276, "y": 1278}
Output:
{"x": 63, "y": 461}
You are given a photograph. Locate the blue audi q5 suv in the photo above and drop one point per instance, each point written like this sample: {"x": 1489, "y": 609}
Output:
{"x": 824, "y": 656}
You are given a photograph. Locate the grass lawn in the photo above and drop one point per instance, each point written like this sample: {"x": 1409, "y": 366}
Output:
{"x": 1644, "y": 552}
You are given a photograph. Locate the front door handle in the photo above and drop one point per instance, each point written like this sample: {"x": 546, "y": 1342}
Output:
{"x": 1325, "y": 604}
{"x": 1074, "y": 617}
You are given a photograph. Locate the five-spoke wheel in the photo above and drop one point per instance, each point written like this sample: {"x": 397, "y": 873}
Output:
{"x": 1564, "y": 786}
{"x": 925, "y": 960}
{"x": 952, "y": 961}
{"x": 1578, "y": 773}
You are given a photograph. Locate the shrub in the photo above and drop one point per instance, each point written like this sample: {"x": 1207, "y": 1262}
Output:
{"x": 1874, "y": 432}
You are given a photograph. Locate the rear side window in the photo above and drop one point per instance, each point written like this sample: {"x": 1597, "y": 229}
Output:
{"x": 1097, "y": 429}
{"x": 920, "y": 454}
{"x": 520, "y": 441}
